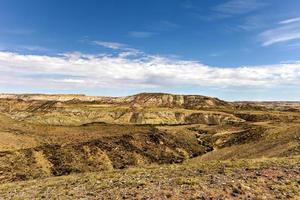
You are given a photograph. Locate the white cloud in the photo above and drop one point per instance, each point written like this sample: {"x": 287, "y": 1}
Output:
{"x": 33, "y": 48}
{"x": 84, "y": 71}
{"x": 286, "y": 32}
{"x": 23, "y": 47}
{"x": 288, "y": 21}
{"x": 124, "y": 50}
{"x": 234, "y": 7}
{"x": 289, "y": 61}
{"x": 110, "y": 45}
{"x": 154, "y": 29}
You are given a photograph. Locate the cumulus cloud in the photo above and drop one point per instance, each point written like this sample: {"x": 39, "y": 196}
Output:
{"x": 77, "y": 70}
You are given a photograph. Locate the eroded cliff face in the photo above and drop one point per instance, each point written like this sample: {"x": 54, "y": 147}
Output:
{"x": 138, "y": 109}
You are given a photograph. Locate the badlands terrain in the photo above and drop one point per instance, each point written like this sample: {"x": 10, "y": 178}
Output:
{"x": 147, "y": 146}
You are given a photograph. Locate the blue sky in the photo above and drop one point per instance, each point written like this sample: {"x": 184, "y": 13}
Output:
{"x": 233, "y": 49}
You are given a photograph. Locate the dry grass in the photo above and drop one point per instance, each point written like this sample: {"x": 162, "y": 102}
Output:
{"x": 258, "y": 178}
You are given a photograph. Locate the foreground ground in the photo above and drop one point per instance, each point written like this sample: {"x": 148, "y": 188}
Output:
{"x": 240, "y": 179}
{"x": 147, "y": 146}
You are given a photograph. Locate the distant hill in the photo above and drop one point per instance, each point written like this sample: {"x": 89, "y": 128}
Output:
{"x": 139, "y": 100}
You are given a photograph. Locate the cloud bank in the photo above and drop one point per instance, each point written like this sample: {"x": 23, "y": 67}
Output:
{"x": 78, "y": 70}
